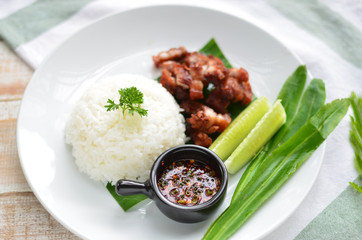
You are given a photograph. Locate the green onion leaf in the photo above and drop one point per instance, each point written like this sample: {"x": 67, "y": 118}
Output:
{"x": 356, "y": 134}
{"x": 294, "y": 84}
{"x": 277, "y": 167}
{"x": 355, "y": 186}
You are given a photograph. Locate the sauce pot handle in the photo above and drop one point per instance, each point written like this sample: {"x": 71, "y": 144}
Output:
{"x": 127, "y": 187}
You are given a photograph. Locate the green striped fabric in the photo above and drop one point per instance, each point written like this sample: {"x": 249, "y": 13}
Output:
{"x": 342, "y": 219}
{"x": 324, "y": 23}
{"x": 35, "y": 19}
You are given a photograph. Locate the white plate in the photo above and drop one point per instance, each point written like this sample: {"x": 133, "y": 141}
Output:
{"x": 124, "y": 43}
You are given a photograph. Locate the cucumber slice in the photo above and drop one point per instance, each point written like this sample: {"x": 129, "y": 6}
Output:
{"x": 257, "y": 138}
{"x": 239, "y": 128}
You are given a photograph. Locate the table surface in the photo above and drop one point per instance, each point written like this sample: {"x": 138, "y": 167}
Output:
{"x": 21, "y": 214}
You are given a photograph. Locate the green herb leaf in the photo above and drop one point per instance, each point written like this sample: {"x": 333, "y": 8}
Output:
{"x": 130, "y": 100}
{"x": 356, "y": 134}
{"x": 355, "y": 186}
{"x": 312, "y": 100}
{"x": 277, "y": 168}
{"x": 126, "y": 202}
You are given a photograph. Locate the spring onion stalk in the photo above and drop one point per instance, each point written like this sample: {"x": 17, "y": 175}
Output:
{"x": 303, "y": 108}
{"x": 311, "y": 101}
{"x": 356, "y": 135}
{"x": 277, "y": 167}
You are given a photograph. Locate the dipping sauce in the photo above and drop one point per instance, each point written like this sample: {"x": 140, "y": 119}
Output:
{"x": 188, "y": 182}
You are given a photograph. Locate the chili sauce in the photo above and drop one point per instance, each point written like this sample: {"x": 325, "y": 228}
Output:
{"x": 188, "y": 182}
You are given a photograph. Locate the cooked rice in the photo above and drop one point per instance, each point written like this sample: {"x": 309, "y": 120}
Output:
{"x": 107, "y": 146}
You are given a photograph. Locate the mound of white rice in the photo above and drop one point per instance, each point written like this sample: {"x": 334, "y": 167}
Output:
{"x": 108, "y": 147}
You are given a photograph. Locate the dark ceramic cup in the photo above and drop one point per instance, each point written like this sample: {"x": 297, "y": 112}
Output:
{"x": 180, "y": 213}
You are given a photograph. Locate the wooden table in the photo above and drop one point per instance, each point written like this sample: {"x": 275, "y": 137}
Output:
{"x": 21, "y": 214}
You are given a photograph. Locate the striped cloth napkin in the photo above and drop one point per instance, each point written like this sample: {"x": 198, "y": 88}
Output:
{"x": 325, "y": 34}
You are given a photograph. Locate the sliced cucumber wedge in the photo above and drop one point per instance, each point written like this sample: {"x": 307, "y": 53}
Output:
{"x": 257, "y": 138}
{"x": 239, "y": 128}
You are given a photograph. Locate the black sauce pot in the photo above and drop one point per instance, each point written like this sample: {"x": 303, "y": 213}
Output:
{"x": 180, "y": 213}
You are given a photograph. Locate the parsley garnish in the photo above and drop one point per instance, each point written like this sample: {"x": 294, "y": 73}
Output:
{"x": 130, "y": 99}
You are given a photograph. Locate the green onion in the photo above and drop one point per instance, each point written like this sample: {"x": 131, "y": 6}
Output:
{"x": 266, "y": 174}
{"x": 277, "y": 167}
{"x": 312, "y": 99}
{"x": 298, "y": 109}
{"x": 174, "y": 192}
{"x": 356, "y": 135}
